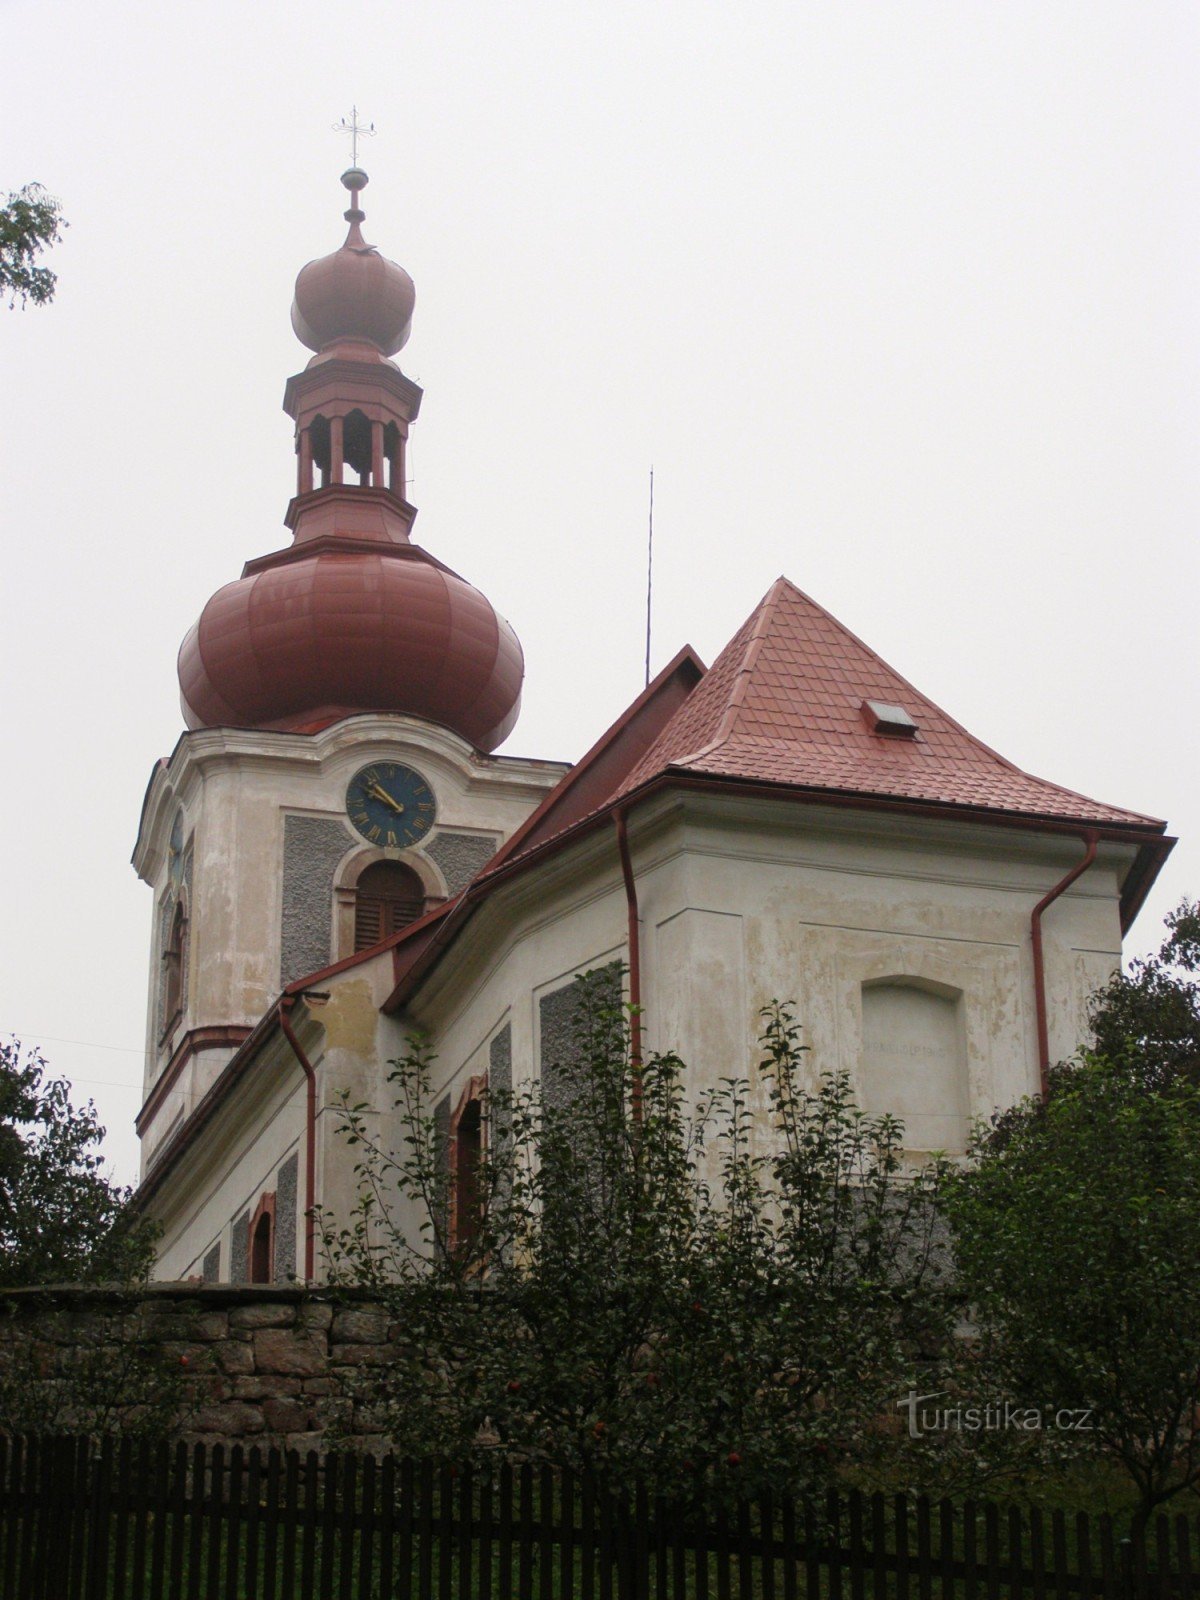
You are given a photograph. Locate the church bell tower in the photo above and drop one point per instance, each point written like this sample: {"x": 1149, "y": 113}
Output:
{"x": 343, "y": 698}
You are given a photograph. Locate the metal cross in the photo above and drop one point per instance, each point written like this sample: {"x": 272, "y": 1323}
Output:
{"x": 355, "y": 129}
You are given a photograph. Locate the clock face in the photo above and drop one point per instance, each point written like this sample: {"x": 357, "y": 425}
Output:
{"x": 390, "y": 804}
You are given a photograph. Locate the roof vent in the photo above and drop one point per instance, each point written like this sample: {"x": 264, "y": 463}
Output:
{"x": 893, "y": 721}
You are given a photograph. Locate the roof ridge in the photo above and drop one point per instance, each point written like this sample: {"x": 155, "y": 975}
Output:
{"x": 762, "y": 614}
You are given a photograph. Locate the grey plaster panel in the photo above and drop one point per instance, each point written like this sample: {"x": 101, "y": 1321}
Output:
{"x": 211, "y": 1271}
{"x": 441, "y": 1134}
{"x": 500, "y": 1060}
{"x": 561, "y": 1053}
{"x": 312, "y": 848}
{"x": 239, "y": 1249}
{"x": 459, "y": 856}
{"x": 285, "y": 1219}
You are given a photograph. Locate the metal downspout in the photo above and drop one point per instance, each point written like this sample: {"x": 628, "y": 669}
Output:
{"x": 310, "y": 1138}
{"x": 635, "y": 962}
{"x": 1091, "y": 839}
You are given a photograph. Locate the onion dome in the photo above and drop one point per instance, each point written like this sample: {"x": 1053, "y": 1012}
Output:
{"x": 352, "y": 617}
{"x": 305, "y": 643}
{"x": 355, "y": 293}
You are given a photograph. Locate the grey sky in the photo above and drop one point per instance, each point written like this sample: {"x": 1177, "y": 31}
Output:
{"x": 899, "y": 299}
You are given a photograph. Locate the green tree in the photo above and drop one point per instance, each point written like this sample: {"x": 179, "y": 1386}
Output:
{"x": 61, "y": 1220}
{"x": 1149, "y": 1017}
{"x": 1077, "y": 1239}
{"x": 640, "y": 1292}
{"x": 30, "y": 221}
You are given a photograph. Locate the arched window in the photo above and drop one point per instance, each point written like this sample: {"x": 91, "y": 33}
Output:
{"x": 262, "y": 1241}
{"x": 389, "y": 896}
{"x": 173, "y": 959}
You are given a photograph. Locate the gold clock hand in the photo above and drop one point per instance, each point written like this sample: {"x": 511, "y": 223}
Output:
{"x": 381, "y": 793}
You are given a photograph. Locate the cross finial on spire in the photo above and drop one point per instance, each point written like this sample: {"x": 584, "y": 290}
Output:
{"x": 355, "y": 129}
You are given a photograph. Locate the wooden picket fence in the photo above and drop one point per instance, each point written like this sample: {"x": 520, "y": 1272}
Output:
{"x": 88, "y": 1520}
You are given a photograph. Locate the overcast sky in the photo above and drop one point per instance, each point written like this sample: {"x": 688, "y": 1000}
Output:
{"x": 899, "y": 300}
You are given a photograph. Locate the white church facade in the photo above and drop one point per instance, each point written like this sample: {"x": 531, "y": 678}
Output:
{"x": 337, "y": 858}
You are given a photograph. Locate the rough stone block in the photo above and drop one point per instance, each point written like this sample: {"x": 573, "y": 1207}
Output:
{"x": 364, "y": 1325}
{"x": 286, "y": 1416}
{"x": 233, "y": 1418}
{"x": 300, "y": 1355}
{"x": 262, "y": 1316}
{"x": 316, "y": 1315}
{"x": 234, "y": 1357}
{"x": 263, "y": 1386}
{"x": 361, "y": 1355}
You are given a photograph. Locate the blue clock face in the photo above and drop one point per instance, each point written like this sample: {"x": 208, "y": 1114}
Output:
{"x": 390, "y": 804}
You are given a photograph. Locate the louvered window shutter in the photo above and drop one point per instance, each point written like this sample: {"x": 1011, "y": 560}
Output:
{"x": 368, "y": 921}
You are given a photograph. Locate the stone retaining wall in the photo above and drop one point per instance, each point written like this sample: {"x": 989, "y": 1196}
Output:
{"x": 255, "y": 1364}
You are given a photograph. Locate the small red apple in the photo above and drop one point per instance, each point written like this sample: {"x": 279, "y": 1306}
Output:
{"x": 734, "y": 1459}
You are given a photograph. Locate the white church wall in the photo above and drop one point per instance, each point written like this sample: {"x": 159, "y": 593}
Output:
{"x": 236, "y": 1160}
{"x": 745, "y": 902}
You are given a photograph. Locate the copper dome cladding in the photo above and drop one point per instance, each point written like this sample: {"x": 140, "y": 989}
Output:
{"x": 352, "y": 618}
{"x": 303, "y": 643}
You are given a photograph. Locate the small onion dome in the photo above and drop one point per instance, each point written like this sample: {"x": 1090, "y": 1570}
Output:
{"x": 355, "y": 293}
{"x": 306, "y": 642}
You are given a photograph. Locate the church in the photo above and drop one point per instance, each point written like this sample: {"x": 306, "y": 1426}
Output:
{"x": 337, "y": 856}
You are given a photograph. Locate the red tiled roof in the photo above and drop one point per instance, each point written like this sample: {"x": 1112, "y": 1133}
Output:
{"x": 783, "y": 704}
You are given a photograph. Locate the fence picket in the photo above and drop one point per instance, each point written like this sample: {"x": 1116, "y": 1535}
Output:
{"x": 506, "y": 1530}
{"x": 900, "y": 1524}
{"x": 407, "y": 1524}
{"x": 858, "y": 1549}
{"x": 1162, "y": 1539}
{"x": 1083, "y": 1555}
{"x": 1108, "y": 1561}
{"x": 141, "y": 1511}
{"x": 702, "y": 1545}
{"x": 424, "y": 1519}
{"x": 466, "y": 1537}
{"x": 485, "y": 1538}
{"x": 387, "y": 1524}
{"x": 766, "y": 1523}
{"x": 347, "y": 1526}
{"x": 970, "y": 1563}
{"x": 160, "y": 1500}
{"x": 991, "y": 1551}
{"x": 195, "y": 1518}
{"x": 1183, "y": 1556}
{"x": 946, "y": 1548}
{"x": 308, "y": 1524}
{"x": 833, "y": 1525}
{"x": 1058, "y": 1536}
{"x": 121, "y": 1508}
{"x": 366, "y": 1548}
{"x": 1037, "y": 1553}
{"x": 127, "y": 1520}
{"x": 566, "y": 1549}
{"x": 587, "y": 1545}
{"x": 327, "y": 1522}
{"x": 445, "y": 1533}
{"x": 1016, "y": 1554}
{"x": 233, "y": 1523}
{"x": 254, "y": 1491}
{"x": 215, "y": 1507}
{"x": 280, "y": 1526}
{"x": 924, "y": 1549}
{"x": 525, "y": 1531}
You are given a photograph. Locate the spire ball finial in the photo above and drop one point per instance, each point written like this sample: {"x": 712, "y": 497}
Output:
{"x": 354, "y": 178}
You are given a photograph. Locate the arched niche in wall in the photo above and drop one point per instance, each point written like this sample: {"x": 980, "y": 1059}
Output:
{"x": 914, "y": 1060}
